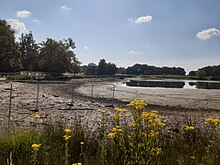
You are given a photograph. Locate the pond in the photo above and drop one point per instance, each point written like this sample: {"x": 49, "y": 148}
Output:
{"x": 172, "y": 83}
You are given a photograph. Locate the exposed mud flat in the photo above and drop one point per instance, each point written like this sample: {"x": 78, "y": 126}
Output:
{"x": 65, "y": 102}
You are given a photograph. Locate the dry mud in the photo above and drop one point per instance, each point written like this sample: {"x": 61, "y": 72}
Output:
{"x": 66, "y": 101}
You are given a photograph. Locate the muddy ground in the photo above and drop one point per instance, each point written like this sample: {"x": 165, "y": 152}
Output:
{"x": 66, "y": 101}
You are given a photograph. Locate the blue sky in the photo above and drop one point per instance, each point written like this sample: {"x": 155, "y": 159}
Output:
{"x": 183, "y": 33}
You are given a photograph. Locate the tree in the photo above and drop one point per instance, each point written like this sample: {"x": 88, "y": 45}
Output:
{"x": 29, "y": 52}
{"x": 201, "y": 73}
{"x": 91, "y": 69}
{"x": 9, "y": 53}
{"x": 58, "y": 56}
{"x": 101, "y": 70}
{"x": 192, "y": 73}
{"x": 111, "y": 69}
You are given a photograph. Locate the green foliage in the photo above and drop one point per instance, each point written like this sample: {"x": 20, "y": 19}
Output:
{"x": 201, "y": 73}
{"x": 29, "y": 52}
{"x": 55, "y": 56}
{"x": 139, "y": 69}
{"x": 9, "y": 53}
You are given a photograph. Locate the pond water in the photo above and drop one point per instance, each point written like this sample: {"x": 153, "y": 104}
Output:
{"x": 172, "y": 83}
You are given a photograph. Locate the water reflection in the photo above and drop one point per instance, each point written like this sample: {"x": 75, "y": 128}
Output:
{"x": 175, "y": 84}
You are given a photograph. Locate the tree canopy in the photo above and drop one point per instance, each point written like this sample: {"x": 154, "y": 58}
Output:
{"x": 9, "y": 53}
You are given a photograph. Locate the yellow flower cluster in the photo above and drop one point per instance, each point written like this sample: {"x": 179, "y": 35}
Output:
{"x": 36, "y": 147}
{"x": 120, "y": 110}
{"x": 103, "y": 111}
{"x": 137, "y": 105}
{"x": 36, "y": 116}
{"x": 132, "y": 125}
{"x": 189, "y": 128}
{"x": 156, "y": 151}
{"x": 67, "y": 130}
{"x": 77, "y": 163}
{"x": 117, "y": 116}
{"x": 116, "y": 130}
{"x": 67, "y": 136}
{"x": 212, "y": 121}
{"x": 153, "y": 118}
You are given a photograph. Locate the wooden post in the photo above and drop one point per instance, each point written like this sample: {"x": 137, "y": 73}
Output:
{"x": 9, "y": 110}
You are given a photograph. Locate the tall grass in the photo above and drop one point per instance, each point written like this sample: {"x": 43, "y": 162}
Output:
{"x": 133, "y": 137}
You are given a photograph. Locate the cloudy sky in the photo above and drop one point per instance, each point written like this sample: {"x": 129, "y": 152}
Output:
{"x": 183, "y": 33}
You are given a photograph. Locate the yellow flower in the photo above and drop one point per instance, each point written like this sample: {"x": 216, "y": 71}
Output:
{"x": 132, "y": 125}
{"x": 120, "y": 110}
{"x": 67, "y": 137}
{"x": 137, "y": 105}
{"x": 36, "y": 147}
{"x": 67, "y": 130}
{"x": 77, "y": 163}
{"x": 111, "y": 135}
{"x": 103, "y": 111}
{"x": 117, "y": 116}
{"x": 189, "y": 128}
{"x": 81, "y": 143}
{"x": 156, "y": 151}
{"x": 36, "y": 116}
{"x": 212, "y": 121}
{"x": 153, "y": 134}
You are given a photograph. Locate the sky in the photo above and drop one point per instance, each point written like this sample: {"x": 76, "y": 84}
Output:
{"x": 181, "y": 33}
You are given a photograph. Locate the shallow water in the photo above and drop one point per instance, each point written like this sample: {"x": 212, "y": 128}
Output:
{"x": 172, "y": 83}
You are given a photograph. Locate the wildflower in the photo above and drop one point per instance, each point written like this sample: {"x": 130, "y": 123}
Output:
{"x": 103, "y": 111}
{"x": 212, "y": 121}
{"x": 111, "y": 135}
{"x": 67, "y": 137}
{"x": 121, "y": 110}
{"x": 117, "y": 116}
{"x": 82, "y": 143}
{"x": 36, "y": 116}
{"x": 77, "y": 163}
{"x": 189, "y": 128}
{"x": 36, "y": 147}
{"x": 67, "y": 130}
{"x": 158, "y": 123}
{"x": 137, "y": 105}
{"x": 132, "y": 125}
{"x": 156, "y": 151}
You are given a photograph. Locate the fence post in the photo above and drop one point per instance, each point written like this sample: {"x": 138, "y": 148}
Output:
{"x": 72, "y": 94}
{"x": 38, "y": 93}
{"x": 113, "y": 94}
{"x": 92, "y": 89}
{"x": 9, "y": 111}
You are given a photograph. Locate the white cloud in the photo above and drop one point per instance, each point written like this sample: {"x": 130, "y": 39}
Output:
{"x": 140, "y": 20}
{"x": 23, "y": 14}
{"x": 132, "y": 52}
{"x": 85, "y": 48}
{"x": 143, "y": 19}
{"x": 17, "y": 26}
{"x": 36, "y": 20}
{"x": 65, "y": 8}
{"x": 208, "y": 33}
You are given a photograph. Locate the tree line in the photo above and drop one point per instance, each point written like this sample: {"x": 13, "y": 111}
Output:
{"x": 208, "y": 71}
{"x": 27, "y": 55}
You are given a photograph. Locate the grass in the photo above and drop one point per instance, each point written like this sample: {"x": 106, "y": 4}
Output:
{"x": 133, "y": 137}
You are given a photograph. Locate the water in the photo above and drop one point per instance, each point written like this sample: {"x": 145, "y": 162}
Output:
{"x": 172, "y": 83}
